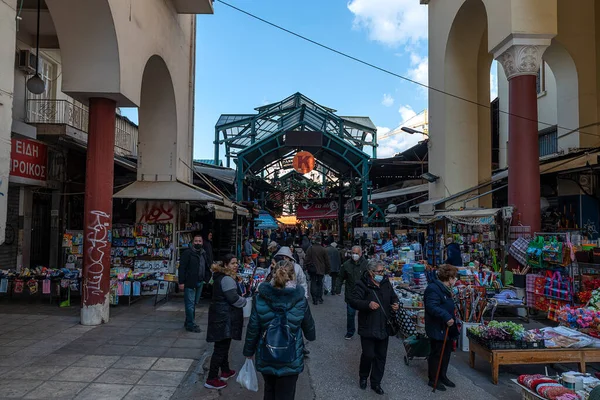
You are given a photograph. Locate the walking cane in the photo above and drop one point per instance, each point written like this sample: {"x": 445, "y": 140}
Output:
{"x": 437, "y": 375}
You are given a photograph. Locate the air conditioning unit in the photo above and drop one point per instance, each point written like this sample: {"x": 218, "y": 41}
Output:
{"x": 27, "y": 61}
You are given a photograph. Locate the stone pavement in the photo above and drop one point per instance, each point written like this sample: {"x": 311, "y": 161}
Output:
{"x": 142, "y": 353}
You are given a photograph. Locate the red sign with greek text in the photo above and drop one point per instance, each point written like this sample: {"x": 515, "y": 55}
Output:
{"x": 28, "y": 159}
{"x": 317, "y": 209}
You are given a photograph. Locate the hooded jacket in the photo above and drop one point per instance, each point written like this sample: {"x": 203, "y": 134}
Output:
{"x": 300, "y": 276}
{"x": 372, "y": 324}
{"x": 225, "y": 314}
{"x": 298, "y": 316}
{"x": 351, "y": 272}
{"x": 335, "y": 261}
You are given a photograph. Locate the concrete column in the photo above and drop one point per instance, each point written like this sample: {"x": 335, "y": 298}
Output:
{"x": 98, "y": 212}
{"x": 521, "y": 61}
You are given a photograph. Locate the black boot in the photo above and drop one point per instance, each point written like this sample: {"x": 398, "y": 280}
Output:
{"x": 377, "y": 389}
{"x": 363, "y": 383}
{"x": 447, "y": 382}
{"x": 440, "y": 386}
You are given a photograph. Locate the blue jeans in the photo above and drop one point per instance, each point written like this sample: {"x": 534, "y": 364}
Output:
{"x": 189, "y": 299}
{"x": 199, "y": 292}
{"x": 351, "y": 320}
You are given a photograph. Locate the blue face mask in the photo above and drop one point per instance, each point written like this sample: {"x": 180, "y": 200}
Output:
{"x": 378, "y": 278}
{"x": 454, "y": 290}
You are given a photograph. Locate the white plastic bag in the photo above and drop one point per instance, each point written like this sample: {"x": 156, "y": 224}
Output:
{"x": 247, "y": 377}
{"x": 327, "y": 283}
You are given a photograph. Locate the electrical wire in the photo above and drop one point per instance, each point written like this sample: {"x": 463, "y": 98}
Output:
{"x": 386, "y": 71}
{"x": 45, "y": 192}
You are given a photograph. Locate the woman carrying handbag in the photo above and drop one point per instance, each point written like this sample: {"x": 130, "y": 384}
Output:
{"x": 376, "y": 302}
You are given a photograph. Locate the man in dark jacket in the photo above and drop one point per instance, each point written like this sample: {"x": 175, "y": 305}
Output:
{"x": 453, "y": 253}
{"x": 350, "y": 273}
{"x": 194, "y": 271}
{"x": 318, "y": 266}
{"x": 208, "y": 247}
{"x": 336, "y": 264}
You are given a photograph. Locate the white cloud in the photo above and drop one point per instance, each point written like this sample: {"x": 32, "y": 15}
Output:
{"x": 494, "y": 80}
{"x": 388, "y": 100}
{"x": 400, "y": 141}
{"x": 419, "y": 68}
{"x": 406, "y": 112}
{"x": 392, "y": 22}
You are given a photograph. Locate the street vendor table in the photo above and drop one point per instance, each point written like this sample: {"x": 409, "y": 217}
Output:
{"x": 534, "y": 356}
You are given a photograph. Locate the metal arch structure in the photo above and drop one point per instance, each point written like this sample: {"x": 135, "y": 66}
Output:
{"x": 257, "y": 141}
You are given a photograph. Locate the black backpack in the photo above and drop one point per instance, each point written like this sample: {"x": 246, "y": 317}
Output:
{"x": 278, "y": 342}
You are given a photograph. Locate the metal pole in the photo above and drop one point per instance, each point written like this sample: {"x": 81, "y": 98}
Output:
{"x": 239, "y": 192}
{"x": 365, "y": 188}
{"x": 216, "y": 142}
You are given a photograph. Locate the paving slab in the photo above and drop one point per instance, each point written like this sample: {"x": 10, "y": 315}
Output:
{"x": 172, "y": 364}
{"x": 193, "y": 354}
{"x": 190, "y": 343}
{"x": 140, "y": 392}
{"x": 126, "y": 340}
{"x": 135, "y": 362}
{"x": 162, "y": 378}
{"x": 79, "y": 374}
{"x": 113, "y": 350}
{"x": 148, "y": 351}
{"x": 122, "y": 376}
{"x": 96, "y": 361}
{"x": 17, "y": 387}
{"x": 104, "y": 391}
{"x": 64, "y": 360}
{"x": 158, "y": 341}
{"x": 33, "y": 372}
{"x": 56, "y": 390}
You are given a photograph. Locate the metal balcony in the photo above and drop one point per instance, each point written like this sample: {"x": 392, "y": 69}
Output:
{"x": 66, "y": 113}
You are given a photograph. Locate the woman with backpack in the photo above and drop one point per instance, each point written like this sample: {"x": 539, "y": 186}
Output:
{"x": 280, "y": 316}
{"x": 375, "y": 300}
{"x": 225, "y": 320}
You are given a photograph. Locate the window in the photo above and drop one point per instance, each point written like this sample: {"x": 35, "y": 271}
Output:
{"x": 548, "y": 141}
{"x": 540, "y": 82}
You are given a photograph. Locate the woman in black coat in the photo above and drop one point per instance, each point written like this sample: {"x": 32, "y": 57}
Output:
{"x": 375, "y": 300}
{"x": 439, "y": 316}
{"x": 225, "y": 320}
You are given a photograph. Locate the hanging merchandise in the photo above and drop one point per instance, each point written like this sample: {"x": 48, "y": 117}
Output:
{"x": 46, "y": 286}
{"x": 18, "y": 286}
{"x": 137, "y": 288}
{"x": 32, "y": 285}
{"x": 552, "y": 252}
{"x": 3, "y": 285}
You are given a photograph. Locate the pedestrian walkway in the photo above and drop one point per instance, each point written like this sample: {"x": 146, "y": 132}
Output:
{"x": 143, "y": 353}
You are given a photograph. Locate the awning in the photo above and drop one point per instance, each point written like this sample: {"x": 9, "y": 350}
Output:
{"x": 288, "y": 220}
{"x": 166, "y": 190}
{"x": 221, "y": 212}
{"x": 484, "y": 216}
{"x": 265, "y": 221}
{"x": 398, "y": 192}
{"x": 241, "y": 211}
{"x": 226, "y": 175}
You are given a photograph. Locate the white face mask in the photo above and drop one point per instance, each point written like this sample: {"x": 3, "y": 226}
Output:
{"x": 355, "y": 257}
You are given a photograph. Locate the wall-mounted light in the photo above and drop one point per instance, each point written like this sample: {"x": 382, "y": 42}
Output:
{"x": 429, "y": 177}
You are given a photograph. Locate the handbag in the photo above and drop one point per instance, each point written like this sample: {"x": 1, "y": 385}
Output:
{"x": 534, "y": 252}
{"x": 393, "y": 323}
{"x": 518, "y": 250}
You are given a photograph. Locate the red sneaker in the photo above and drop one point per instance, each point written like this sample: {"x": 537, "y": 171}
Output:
{"x": 215, "y": 384}
{"x": 226, "y": 375}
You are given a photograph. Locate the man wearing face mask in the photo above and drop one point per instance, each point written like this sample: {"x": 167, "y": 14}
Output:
{"x": 350, "y": 273}
{"x": 194, "y": 271}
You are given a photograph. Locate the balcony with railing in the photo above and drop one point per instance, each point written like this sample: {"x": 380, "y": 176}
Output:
{"x": 67, "y": 113}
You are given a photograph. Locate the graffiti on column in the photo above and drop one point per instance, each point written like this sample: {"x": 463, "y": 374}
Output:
{"x": 97, "y": 241}
{"x": 155, "y": 212}
{"x": 1, "y": 190}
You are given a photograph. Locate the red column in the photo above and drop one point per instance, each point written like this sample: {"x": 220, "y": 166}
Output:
{"x": 98, "y": 212}
{"x": 523, "y": 152}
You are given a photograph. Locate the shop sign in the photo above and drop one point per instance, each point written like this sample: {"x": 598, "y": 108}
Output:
{"x": 304, "y": 162}
{"x": 318, "y": 209}
{"x": 28, "y": 159}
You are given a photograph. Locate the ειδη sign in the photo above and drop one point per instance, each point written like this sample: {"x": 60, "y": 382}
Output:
{"x": 28, "y": 159}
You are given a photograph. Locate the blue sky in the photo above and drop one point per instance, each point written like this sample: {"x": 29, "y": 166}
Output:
{"x": 243, "y": 63}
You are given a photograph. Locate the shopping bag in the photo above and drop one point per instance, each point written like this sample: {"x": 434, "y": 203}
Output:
{"x": 534, "y": 252}
{"x": 519, "y": 250}
{"x": 327, "y": 283}
{"x": 3, "y": 285}
{"x": 552, "y": 251}
{"x": 247, "y": 377}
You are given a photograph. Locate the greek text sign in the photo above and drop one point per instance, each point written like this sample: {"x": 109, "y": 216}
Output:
{"x": 28, "y": 159}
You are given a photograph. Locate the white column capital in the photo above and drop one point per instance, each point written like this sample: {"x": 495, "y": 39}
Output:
{"x": 521, "y": 56}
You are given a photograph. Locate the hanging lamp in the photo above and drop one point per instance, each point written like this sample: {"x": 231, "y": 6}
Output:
{"x": 35, "y": 84}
